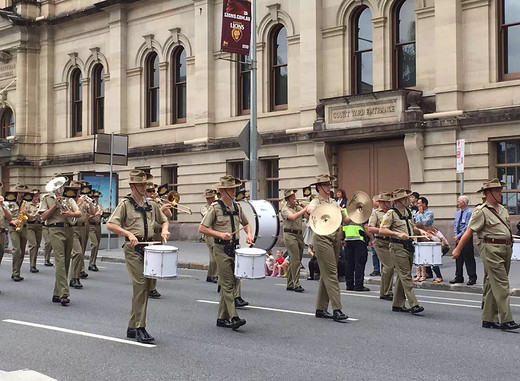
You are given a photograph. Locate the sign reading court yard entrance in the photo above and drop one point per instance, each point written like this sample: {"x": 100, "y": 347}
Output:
{"x": 365, "y": 111}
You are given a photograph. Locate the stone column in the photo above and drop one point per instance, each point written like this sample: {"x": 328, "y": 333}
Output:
{"x": 380, "y": 61}
{"x": 46, "y": 98}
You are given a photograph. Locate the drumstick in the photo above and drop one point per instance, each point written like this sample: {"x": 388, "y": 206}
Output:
{"x": 516, "y": 236}
{"x": 419, "y": 236}
{"x": 149, "y": 243}
{"x": 236, "y": 231}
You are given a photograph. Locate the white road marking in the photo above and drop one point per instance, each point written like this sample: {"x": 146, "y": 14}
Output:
{"x": 87, "y": 334}
{"x": 271, "y": 309}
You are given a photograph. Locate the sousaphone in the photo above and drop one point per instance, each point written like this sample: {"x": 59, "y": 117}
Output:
{"x": 325, "y": 219}
{"x": 359, "y": 207}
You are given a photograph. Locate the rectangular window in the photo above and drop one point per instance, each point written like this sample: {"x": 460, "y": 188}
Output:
{"x": 272, "y": 180}
{"x": 509, "y": 39}
{"x": 508, "y": 171}
{"x": 244, "y": 86}
{"x": 236, "y": 169}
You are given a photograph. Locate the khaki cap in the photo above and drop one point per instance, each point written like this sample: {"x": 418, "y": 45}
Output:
{"x": 139, "y": 177}
{"x": 210, "y": 193}
{"x": 384, "y": 196}
{"x": 21, "y": 188}
{"x": 491, "y": 184}
{"x": 400, "y": 193}
{"x": 228, "y": 181}
{"x": 35, "y": 191}
{"x": 324, "y": 178}
{"x": 288, "y": 192}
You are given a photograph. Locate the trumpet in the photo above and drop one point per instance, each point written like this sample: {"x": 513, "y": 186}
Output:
{"x": 173, "y": 198}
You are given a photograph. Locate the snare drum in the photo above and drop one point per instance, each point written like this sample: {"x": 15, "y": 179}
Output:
{"x": 263, "y": 219}
{"x": 250, "y": 263}
{"x": 160, "y": 261}
{"x": 428, "y": 253}
{"x": 516, "y": 250}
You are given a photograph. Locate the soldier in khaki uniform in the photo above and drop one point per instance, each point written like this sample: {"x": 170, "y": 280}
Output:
{"x": 382, "y": 245}
{"x": 34, "y": 229}
{"x": 210, "y": 196}
{"x": 134, "y": 218}
{"x": 327, "y": 248}
{"x": 5, "y": 216}
{"x": 490, "y": 220}
{"x": 94, "y": 231}
{"x": 18, "y": 237}
{"x": 292, "y": 214}
{"x": 222, "y": 222}
{"x": 57, "y": 212}
{"x": 47, "y": 247}
{"x": 398, "y": 224}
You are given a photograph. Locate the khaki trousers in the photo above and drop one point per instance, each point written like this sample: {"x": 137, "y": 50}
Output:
{"x": 94, "y": 234}
{"x": 47, "y": 245}
{"x": 327, "y": 250}
{"x": 2, "y": 245}
{"x": 404, "y": 283}
{"x": 19, "y": 240}
{"x": 294, "y": 245}
{"x": 212, "y": 268}
{"x": 34, "y": 239}
{"x": 141, "y": 287}
{"x": 229, "y": 284}
{"x": 497, "y": 262}
{"x": 61, "y": 241}
{"x": 387, "y": 266}
{"x": 78, "y": 260}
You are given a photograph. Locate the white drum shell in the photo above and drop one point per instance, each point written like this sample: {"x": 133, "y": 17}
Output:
{"x": 516, "y": 250}
{"x": 263, "y": 219}
{"x": 428, "y": 253}
{"x": 250, "y": 263}
{"x": 160, "y": 261}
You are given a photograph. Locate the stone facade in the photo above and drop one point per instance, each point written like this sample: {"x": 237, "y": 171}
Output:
{"x": 458, "y": 92}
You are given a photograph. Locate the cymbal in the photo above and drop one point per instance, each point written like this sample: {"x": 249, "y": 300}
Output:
{"x": 359, "y": 207}
{"x": 325, "y": 219}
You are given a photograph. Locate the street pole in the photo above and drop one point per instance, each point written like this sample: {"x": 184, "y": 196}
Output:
{"x": 110, "y": 184}
{"x": 462, "y": 183}
{"x": 253, "y": 157}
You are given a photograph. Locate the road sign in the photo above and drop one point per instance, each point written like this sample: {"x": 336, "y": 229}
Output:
{"x": 460, "y": 156}
{"x": 102, "y": 149}
{"x": 244, "y": 139}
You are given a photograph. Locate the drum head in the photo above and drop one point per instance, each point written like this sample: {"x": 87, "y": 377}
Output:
{"x": 263, "y": 219}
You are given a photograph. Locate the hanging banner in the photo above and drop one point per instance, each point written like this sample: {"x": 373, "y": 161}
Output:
{"x": 236, "y": 26}
{"x": 460, "y": 155}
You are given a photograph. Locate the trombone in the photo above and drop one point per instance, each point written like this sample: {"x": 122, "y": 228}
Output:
{"x": 173, "y": 198}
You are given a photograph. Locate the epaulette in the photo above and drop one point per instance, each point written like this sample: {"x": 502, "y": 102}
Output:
{"x": 480, "y": 206}
{"x": 214, "y": 203}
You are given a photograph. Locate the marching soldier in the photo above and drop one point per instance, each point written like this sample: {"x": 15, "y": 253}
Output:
{"x": 134, "y": 218}
{"x": 5, "y": 216}
{"x": 327, "y": 248}
{"x": 490, "y": 220}
{"x": 34, "y": 229}
{"x": 397, "y": 224}
{"x": 222, "y": 222}
{"x": 94, "y": 228}
{"x": 382, "y": 246}
{"x": 55, "y": 211}
{"x": 18, "y": 229}
{"x": 210, "y": 195}
{"x": 47, "y": 247}
{"x": 292, "y": 213}
{"x": 85, "y": 189}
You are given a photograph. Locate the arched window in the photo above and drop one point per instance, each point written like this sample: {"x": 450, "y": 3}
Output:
{"x": 179, "y": 85}
{"x": 76, "y": 99}
{"x": 152, "y": 90}
{"x": 509, "y": 43}
{"x": 98, "y": 99}
{"x": 6, "y": 122}
{"x": 278, "y": 68}
{"x": 362, "y": 52}
{"x": 404, "y": 44}
{"x": 244, "y": 86}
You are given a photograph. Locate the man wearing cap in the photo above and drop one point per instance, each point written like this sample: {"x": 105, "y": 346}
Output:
{"x": 57, "y": 211}
{"x": 397, "y": 224}
{"x": 327, "y": 248}
{"x": 382, "y": 245}
{"x": 222, "y": 222}
{"x": 5, "y": 216}
{"x": 134, "y": 218}
{"x": 490, "y": 221}
{"x": 18, "y": 221}
{"x": 34, "y": 229}
{"x": 210, "y": 196}
{"x": 292, "y": 213}
{"x": 94, "y": 231}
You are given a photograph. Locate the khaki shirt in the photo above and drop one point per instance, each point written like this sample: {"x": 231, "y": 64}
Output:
{"x": 204, "y": 210}
{"x": 48, "y": 202}
{"x": 376, "y": 218}
{"x": 130, "y": 219}
{"x": 291, "y": 224}
{"x": 216, "y": 220}
{"x": 487, "y": 225}
{"x": 392, "y": 221}
{"x": 97, "y": 217}
{"x": 14, "y": 208}
{"x": 84, "y": 208}
{"x": 3, "y": 222}
{"x": 320, "y": 200}
{"x": 32, "y": 208}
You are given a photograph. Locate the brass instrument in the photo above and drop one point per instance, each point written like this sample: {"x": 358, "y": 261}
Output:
{"x": 359, "y": 207}
{"x": 22, "y": 217}
{"x": 173, "y": 198}
{"x": 54, "y": 188}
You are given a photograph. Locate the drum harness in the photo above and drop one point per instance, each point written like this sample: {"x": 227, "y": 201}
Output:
{"x": 139, "y": 248}
{"x": 229, "y": 246}
{"x": 408, "y": 244}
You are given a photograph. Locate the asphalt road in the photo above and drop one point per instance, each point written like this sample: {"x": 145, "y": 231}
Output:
{"x": 281, "y": 340}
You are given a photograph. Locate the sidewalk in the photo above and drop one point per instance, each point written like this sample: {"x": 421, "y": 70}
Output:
{"x": 194, "y": 255}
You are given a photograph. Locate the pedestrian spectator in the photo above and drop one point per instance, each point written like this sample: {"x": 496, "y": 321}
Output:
{"x": 467, "y": 253}
{"x": 279, "y": 264}
{"x": 413, "y": 202}
{"x": 314, "y": 269}
{"x": 269, "y": 262}
{"x": 341, "y": 198}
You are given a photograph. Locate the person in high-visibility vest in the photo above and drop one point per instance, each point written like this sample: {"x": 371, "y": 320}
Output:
{"x": 356, "y": 255}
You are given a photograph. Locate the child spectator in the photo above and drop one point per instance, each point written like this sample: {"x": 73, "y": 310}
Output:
{"x": 280, "y": 264}
{"x": 269, "y": 262}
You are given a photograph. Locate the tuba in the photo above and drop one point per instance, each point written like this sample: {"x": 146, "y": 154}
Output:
{"x": 54, "y": 188}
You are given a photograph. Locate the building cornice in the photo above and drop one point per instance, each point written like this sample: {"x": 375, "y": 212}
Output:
{"x": 470, "y": 4}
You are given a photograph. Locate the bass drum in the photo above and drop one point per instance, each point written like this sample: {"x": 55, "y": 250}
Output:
{"x": 263, "y": 219}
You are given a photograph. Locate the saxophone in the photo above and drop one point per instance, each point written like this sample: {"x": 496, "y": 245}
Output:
{"x": 22, "y": 217}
